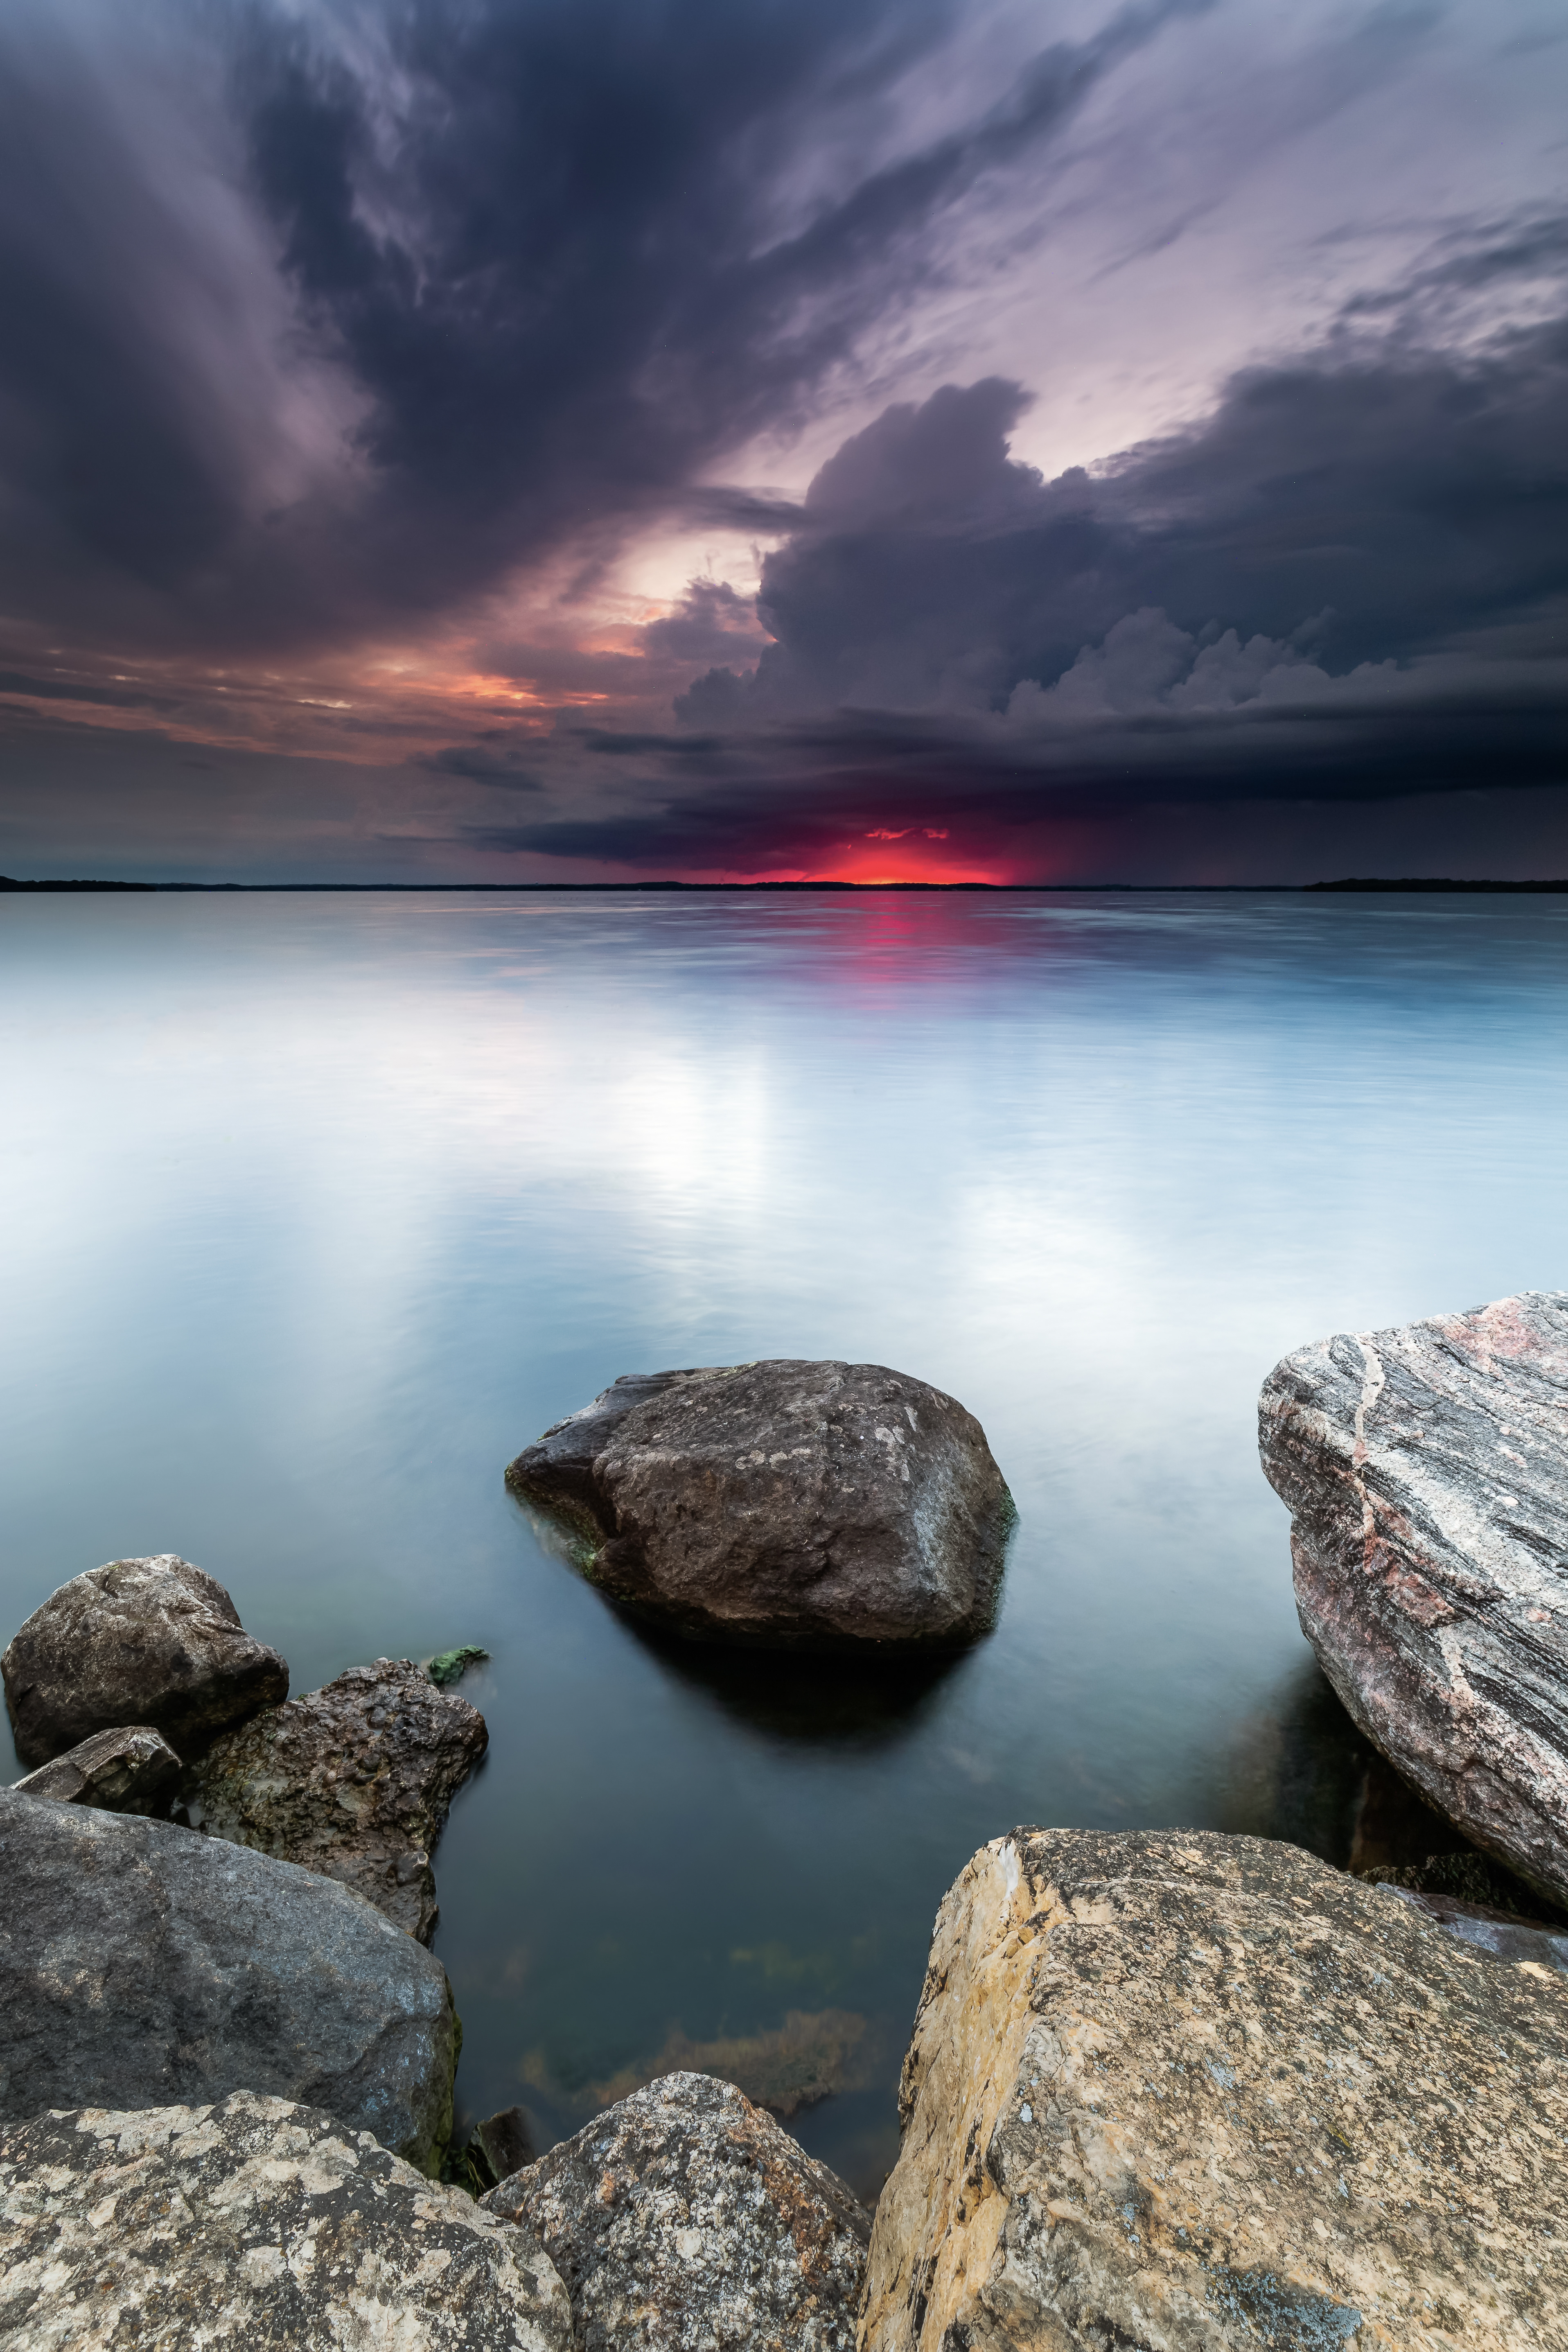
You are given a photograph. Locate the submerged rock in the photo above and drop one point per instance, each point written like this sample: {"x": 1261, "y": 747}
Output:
{"x": 354, "y": 1781}
{"x": 493, "y": 2152}
{"x": 141, "y": 1965}
{"x": 818, "y": 1502}
{"x": 258, "y": 2222}
{"x": 814, "y": 2053}
{"x": 127, "y": 1771}
{"x": 451, "y": 1665}
{"x": 1202, "y": 2093}
{"x": 135, "y": 1641}
{"x": 1427, "y": 1473}
{"x": 685, "y": 2220}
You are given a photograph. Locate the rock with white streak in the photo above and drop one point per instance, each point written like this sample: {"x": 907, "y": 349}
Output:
{"x": 1183, "y": 2093}
{"x": 141, "y": 1965}
{"x": 132, "y": 1771}
{"x": 827, "y": 1506}
{"x": 1427, "y": 1473}
{"x": 683, "y": 2220}
{"x": 152, "y": 1641}
{"x": 354, "y": 1781}
{"x": 255, "y": 2224}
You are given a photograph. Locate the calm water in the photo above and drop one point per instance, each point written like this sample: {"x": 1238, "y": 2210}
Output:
{"x": 316, "y": 1209}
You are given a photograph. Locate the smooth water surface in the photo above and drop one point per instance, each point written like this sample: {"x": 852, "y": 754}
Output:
{"x": 318, "y": 1209}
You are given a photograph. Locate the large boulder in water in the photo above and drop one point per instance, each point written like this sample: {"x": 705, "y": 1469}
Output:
{"x": 684, "y": 2218}
{"x": 259, "y": 2223}
{"x": 354, "y": 1781}
{"x": 1427, "y": 1473}
{"x": 152, "y": 1641}
{"x": 1204, "y": 2093}
{"x": 141, "y": 1965}
{"x": 822, "y": 1503}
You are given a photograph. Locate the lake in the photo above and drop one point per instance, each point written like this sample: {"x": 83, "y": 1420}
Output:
{"x": 316, "y": 1209}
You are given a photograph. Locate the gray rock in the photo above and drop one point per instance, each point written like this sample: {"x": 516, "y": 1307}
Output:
{"x": 133, "y": 1770}
{"x": 1184, "y": 2093}
{"x": 141, "y": 1965}
{"x": 1426, "y": 1473}
{"x": 138, "y": 1640}
{"x": 1499, "y": 1933}
{"x": 685, "y": 2220}
{"x": 354, "y": 1781}
{"x": 255, "y": 2223}
{"x": 822, "y": 1503}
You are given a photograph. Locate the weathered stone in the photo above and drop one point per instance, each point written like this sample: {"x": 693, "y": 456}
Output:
{"x": 138, "y": 1640}
{"x": 822, "y": 1504}
{"x": 493, "y": 2151}
{"x": 685, "y": 2220}
{"x": 256, "y": 2223}
{"x": 354, "y": 1781}
{"x": 1427, "y": 1473}
{"x": 1500, "y": 1933}
{"x": 1186, "y": 2093}
{"x": 141, "y": 1965}
{"x": 133, "y": 1770}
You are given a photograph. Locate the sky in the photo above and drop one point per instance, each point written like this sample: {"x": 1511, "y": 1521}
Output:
{"x": 1008, "y": 440}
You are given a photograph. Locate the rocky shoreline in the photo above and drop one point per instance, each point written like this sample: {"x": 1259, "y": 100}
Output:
{"x": 1165, "y": 2090}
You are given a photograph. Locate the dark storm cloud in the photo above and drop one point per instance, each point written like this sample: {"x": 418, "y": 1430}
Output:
{"x": 1351, "y": 582}
{"x": 547, "y": 258}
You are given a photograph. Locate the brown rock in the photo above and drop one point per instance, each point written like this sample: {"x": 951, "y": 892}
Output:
{"x": 685, "y": 2220}
{"x": 127, "y": 1771}
{"x": 254, "y": 2223}
{"x": 1427, "y": 1473}
{"x": 1186, "y": 2093}
{"x": 354, "y": 1781}
{"x": 820, "y": 1504}
{"x": 141, "y": 1642}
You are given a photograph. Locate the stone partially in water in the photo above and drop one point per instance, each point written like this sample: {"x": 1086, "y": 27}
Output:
{"x": 823, "y": 1504}
{"x": 809, "y": 2057}
{"x": 127, "y": 1771}
{"x": 141, "y": 1965}
{"x": 138, "y": 1640}
{"x": 255, "y": 2222}
{"x": 354, "y": 1781}
{"x": 685, "y": 2220}
{"x": 1200, "y": 2092}
{"x": 1427, "y": 1473}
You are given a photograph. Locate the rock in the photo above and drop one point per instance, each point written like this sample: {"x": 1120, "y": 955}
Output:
{"x": 257, "y": 2223}
{"x": 139, "y": 1641}
{"x": 1500, "y": 1933}
{"x": 451, "y": 1665}
{"x": 141, "y": 1965}
{"x": 685, "y": 2220}
{"x": 1427, "y": 1473}
{"x": 1187, "y": 2093}
{"x": 494, "y": 2150}
{"x": 354, "y": 1781}
{"x": 814, "y": 2053}
{"x": 822, "y": 1503}
{"x": 127, "y": 1771}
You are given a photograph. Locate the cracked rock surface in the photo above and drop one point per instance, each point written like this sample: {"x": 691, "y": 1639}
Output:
{"x": 253, "y": 2223}
{"x": 153, "y": 1642}
{"x": 133, "y": 1770}
{"x": 1176, "y": 2091}
{"x": 1427, "y": 1473}
{"x": 354, "y": 1781}
{"x": 141, "y": 1963}
{"x": 824, "y": 1503}
{"x": 685, "y": 2219}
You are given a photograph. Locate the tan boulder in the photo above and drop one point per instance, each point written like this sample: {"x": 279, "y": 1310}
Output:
{"x": 1184, "y": 2093}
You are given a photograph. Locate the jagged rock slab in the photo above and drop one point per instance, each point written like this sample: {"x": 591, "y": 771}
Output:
{"x": 256, "y": 2223}
{"x": 1184, "y": 2093}
{"x": 141, "y": 1965}
{"x": 138, "y": 1640}
{"x": 354, "y": 1781}
{"x": 1427, "y": 1473}
{"x": 824, "y": 1503}
{"x": 685, "y": 2220}
{"x": 133, "y": 1770}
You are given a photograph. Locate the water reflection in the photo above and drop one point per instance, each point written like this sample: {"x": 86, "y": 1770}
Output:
{"x": 827, "y": 1702}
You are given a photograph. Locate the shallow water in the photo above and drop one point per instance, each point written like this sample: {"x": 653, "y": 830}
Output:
{"x": 316, "y": 1209}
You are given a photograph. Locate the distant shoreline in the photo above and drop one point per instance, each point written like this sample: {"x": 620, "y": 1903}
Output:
{"x": 513, "y": 890}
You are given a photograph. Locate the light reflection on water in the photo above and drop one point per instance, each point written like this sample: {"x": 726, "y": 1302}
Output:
{"x": 318, "y": 1209}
